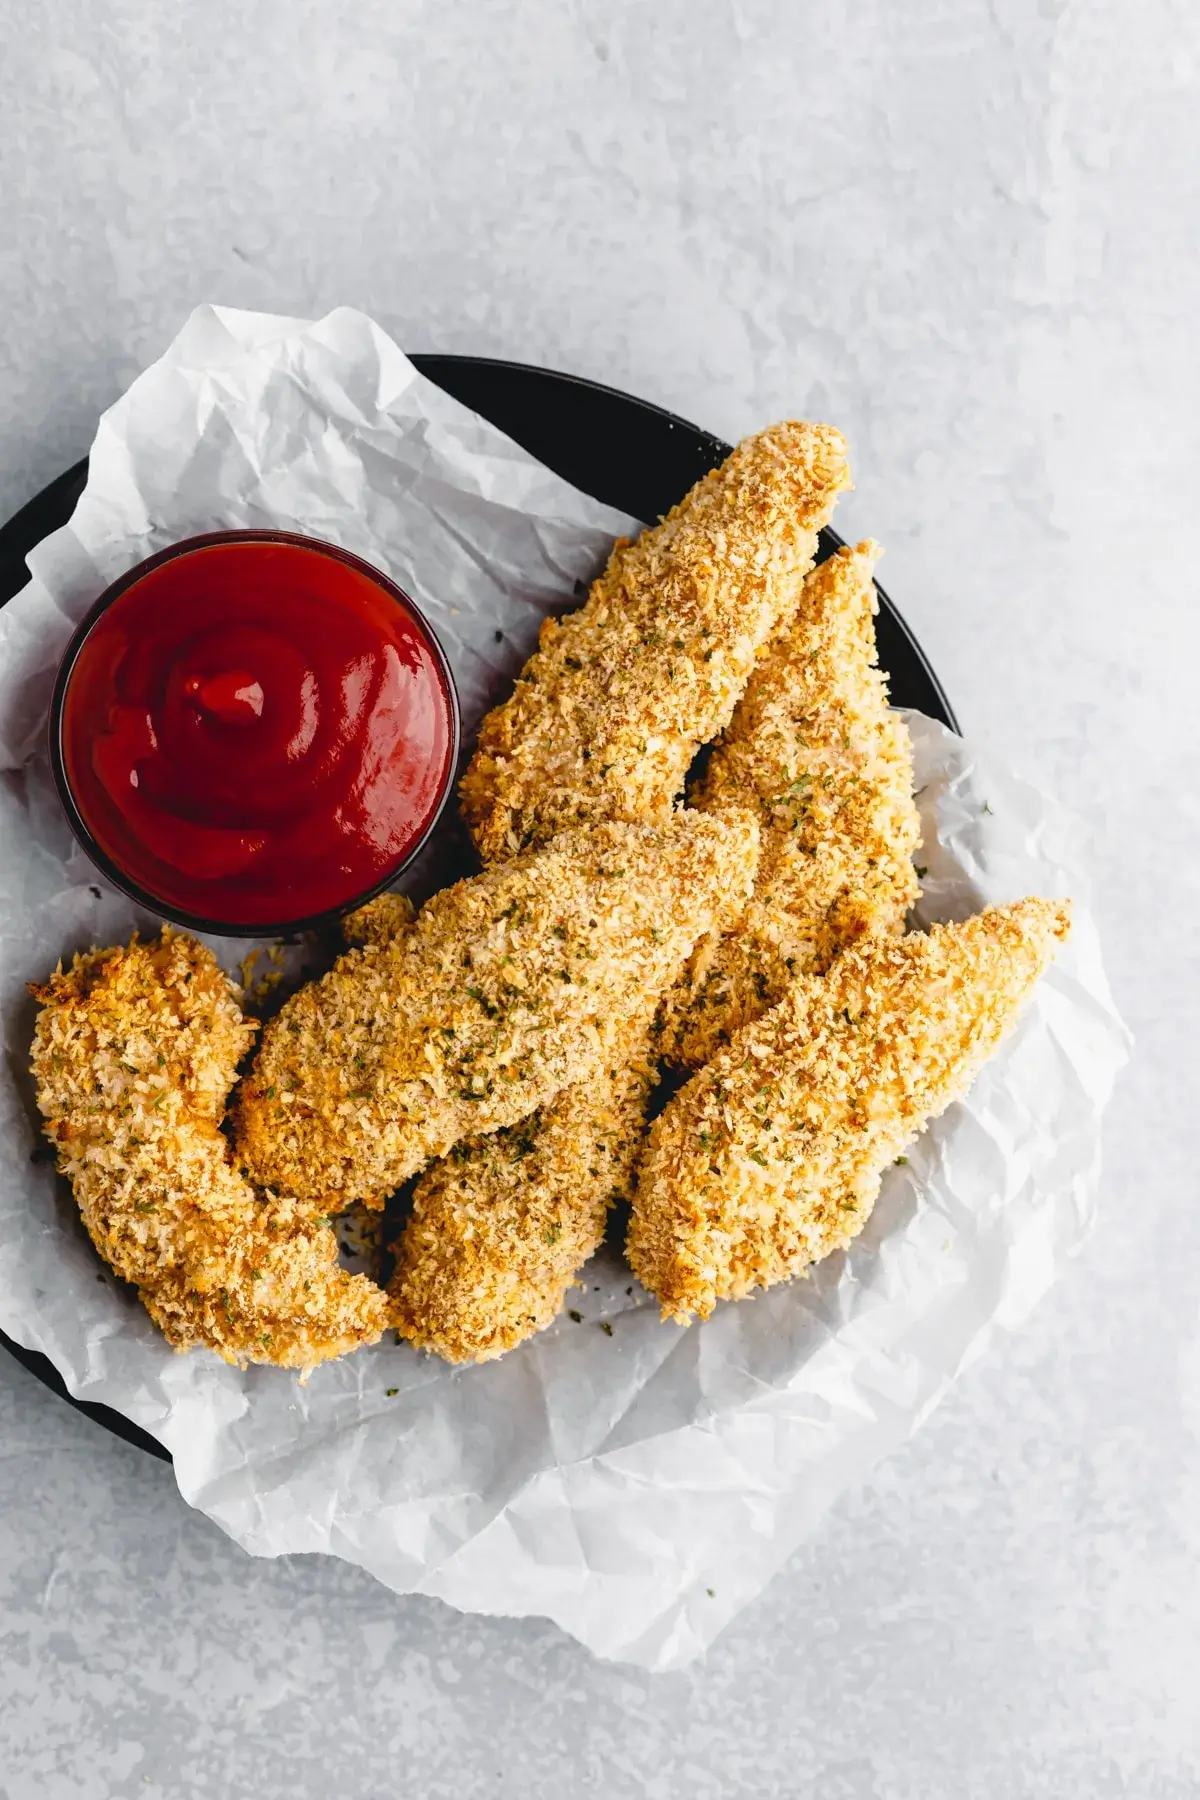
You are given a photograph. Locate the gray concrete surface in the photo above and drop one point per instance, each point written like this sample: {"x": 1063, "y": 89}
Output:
{"x": 966, "y": 231}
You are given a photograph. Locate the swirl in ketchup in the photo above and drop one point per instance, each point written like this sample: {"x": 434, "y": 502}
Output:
{"x": 256, "y": 729}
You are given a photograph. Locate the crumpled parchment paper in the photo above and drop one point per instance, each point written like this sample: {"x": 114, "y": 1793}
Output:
{"x": 638, "y": 1488}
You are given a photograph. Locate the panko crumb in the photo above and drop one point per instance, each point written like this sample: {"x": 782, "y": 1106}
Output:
{"x": 609, "y": 712}
{"x": 772, "y": 1156}
{"x": 258, "y": 989}
{"x": 134, "y": 1053}
{"x": 815, "y": 749}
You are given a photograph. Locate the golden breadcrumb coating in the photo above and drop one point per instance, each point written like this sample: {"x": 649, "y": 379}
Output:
{"x": 380, "y": 920}
{"x": 826, "y": 765}
{"x": 134, "y": 1054}
{"x": 499, "y": 996}
{"x": 772, "y": 1156}
{"x": 614, "y": 704}
{"x": 500, "y": 1227}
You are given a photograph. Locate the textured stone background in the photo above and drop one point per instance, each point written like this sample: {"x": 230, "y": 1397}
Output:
{"x": 966, "y": 230}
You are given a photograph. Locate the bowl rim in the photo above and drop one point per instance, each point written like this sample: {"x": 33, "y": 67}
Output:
{"x": 112, "y": 871}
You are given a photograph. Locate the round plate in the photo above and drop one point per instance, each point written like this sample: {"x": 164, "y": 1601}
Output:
{"x": 622, "y": 450}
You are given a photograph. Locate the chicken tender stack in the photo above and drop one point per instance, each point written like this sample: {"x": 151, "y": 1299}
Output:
{"x": 619, "y": 696}
{"x": 826, "y": 766}
{"x": 506, "y": 990}
{"x": 502, "y": 1044}
{"x": 135, "y": 1052}
{"x": 772, "y": 1156}
{"x": 606, "y": 718}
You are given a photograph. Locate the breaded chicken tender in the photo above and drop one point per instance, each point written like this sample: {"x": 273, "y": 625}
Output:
{"x": 772, "y": 1156}
{"x": 501, "y": 994}
{"x": 612, "y": 707}
{"x": 380, "y": 920}
{"x": 500, "y": 1227}
{"x": 134, "y": 1054}
{"x": 815, "y": 750}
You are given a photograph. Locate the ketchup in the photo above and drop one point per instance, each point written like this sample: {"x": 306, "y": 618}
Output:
{"x": 256, "y": 731}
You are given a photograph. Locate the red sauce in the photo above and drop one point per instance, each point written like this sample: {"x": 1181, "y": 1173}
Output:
{"x": 256, "y": 732}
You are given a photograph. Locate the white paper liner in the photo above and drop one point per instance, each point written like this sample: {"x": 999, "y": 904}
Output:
{"x": 638, "y": 1488}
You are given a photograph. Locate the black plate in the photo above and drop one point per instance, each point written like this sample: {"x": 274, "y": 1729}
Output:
{"x": 622, "y": 450}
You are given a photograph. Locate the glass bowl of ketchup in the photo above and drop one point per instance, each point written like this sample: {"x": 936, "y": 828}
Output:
{"x": 253, "y": 732}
